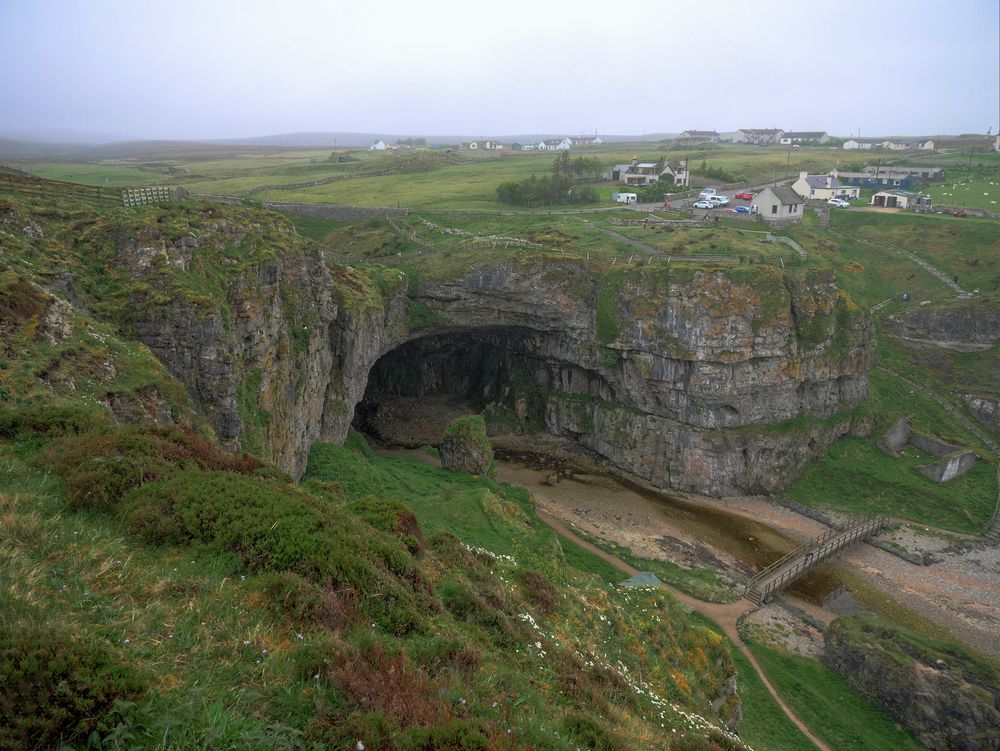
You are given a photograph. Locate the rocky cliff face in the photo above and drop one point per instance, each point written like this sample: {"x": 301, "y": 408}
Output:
{"x": 671, "y": 376}
{"x": 676, "y": 375}
{"x": 945, "y": 706}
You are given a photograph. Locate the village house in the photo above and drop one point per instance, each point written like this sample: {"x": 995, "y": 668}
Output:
{"x": 908, "y": 145}
{"x": 864, "y": 144}
{"x": 528, "y": 147}
{"x": 778, "y": 204}
{"x": 642, "y": 174}
{"x": 901, "y": 199}
{"x": 823, "y": 187}
{"x": 377, "y": 146}
{"x": 587, "y": 141}
{"x": 554, "y": 144}
{"x": 759, "y": 135}
{"x": 698, "y": 136}
{"x": 805, "y": 136}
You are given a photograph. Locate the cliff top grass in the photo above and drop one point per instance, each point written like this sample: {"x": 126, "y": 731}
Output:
{"x": 871, "y": 630}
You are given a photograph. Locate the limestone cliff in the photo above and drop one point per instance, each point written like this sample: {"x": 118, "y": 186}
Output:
{"x": 722, "y": 381}
{"x": 946, "y": 703}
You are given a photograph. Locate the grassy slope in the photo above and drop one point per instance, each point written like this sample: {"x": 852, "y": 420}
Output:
{"x": 824, "y": 701}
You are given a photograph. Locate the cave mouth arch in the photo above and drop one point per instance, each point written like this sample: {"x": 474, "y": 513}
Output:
{"x": 505, "y": 373}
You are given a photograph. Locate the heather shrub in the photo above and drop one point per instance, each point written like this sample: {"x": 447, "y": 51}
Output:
{"x": 274, "y": 526}
{"x": 55, "y": 690}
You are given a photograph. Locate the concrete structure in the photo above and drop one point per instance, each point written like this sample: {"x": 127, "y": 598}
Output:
{"x": 554, "y": 144}
{"x": 805, "y": 136}
{"x": 864, "y": 144}
{"x": 759, "y": 135}
{"x": 377, "y": 146}
{"x": 778, "y": 204}
{"x": 901, "y": 199}
{"x": 823, "y": 187}
{"x": 900, "y": 171}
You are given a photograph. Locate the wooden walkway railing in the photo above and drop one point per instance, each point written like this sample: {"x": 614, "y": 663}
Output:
{"x": 787, "y": 569}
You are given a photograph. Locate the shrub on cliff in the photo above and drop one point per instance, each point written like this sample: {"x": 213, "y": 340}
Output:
{"x": 101, "y": 466}
{"x": 55, "y": 690}
{"x": 273, "y": 526}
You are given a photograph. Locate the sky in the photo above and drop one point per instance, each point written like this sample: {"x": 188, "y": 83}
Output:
{"x": 186, "y": 69}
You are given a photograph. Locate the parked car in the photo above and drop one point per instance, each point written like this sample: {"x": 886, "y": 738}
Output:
{"x": 706, "y": 192}
{"x": 840, "y": 203}
{"x": 960, "y": 212}
{"x": 704, "y": 205}
{"x": 741, "y": 210}
{"x": 718, "y": 200}
{"x": 744, "y": 196}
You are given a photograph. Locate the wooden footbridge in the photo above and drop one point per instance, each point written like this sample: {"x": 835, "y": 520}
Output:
{"x": 803, "y": 559}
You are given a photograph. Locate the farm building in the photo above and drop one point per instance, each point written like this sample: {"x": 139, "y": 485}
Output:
{"x": 805, "y": 136}
{"x": 587, "y": 141}
{"x": 901, "y": 199}
{"x": 908, "y": 145}
{"x": 377, "y": 146}
{"x": 779, "y": 203}
{"x": 823, "y": 187}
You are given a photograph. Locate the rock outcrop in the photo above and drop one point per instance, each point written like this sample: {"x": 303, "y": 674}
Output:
{"x": 465, "y": 446}
{"x": 943, "y": 703}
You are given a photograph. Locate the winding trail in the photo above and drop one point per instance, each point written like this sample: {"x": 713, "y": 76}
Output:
{"x": 724, "y": 615}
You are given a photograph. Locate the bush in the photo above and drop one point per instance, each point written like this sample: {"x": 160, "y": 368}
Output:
{"x": 392, "y": 517}
{"x": 539, "y": 591}
{"x": 303, "y": 603}
{"x": 55, "y": 690}
{"x": 470, "y": 607}
{"x": 100, "y": 467}
{"x": 273, "y": 526}
{"x": 49, "y": 420}
{"x": 589, "y": 733}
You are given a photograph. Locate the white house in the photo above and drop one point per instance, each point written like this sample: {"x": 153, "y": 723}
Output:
{"x": 865, "y": 144}
{"x": 759, "y": 135}
{"x": 528, "y": 147}
{"x": 805, "y": 136}
{"x": 587, "y": 141}
{"x": 699, "y": 136}
{"x": 779, "y": 203}
{"x": 996, "y": 143}
{"x": 377, "y": 146}
{"x": 927, "y": 145}
{"x": 552, "y": 144}
{"x": 642, "y": 174}
{"x": 823, "y": 187}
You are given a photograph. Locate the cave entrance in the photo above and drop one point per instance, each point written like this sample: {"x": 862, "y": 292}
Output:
{"x": 415, "y": 390}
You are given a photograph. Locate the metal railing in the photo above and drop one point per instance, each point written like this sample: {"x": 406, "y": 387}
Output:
{"x": 790, "y": 567}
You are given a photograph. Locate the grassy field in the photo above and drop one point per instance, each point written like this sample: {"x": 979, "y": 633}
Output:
{"x": 866, "y": 480}
{"x": 828, "y": 705}
{"x": 974, "y": 189}
{"x": 463, "y": 180}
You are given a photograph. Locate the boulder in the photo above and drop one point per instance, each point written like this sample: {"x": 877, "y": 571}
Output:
{"x": 950, "y": 467}
{"x": 465, "y": 446}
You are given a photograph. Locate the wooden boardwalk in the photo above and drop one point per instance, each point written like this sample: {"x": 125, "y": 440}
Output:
{"x": 803, "y": 559}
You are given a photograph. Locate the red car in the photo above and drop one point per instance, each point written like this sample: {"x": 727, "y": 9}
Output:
{"x": 960, "y": 212}
{"x": 744, "y": 196}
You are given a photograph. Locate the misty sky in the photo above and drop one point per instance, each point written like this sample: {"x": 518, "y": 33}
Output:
{"x": 221, "y": 68}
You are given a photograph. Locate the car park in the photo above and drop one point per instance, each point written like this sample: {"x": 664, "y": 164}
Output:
{"x": 704, "y": 205}
{"x": 744, "y": 196}
{"x": 718, "y": 200}
{"x": 840, "y": 203}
